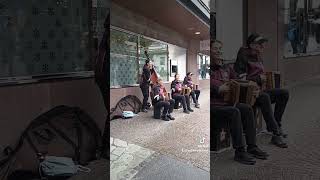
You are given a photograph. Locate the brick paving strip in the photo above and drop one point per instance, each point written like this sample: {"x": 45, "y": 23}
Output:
{"x": 126, "y": 158}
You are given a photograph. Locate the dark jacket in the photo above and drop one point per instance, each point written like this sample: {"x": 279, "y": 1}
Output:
{"x": 176, "y": 87}
{"x": 157, "y": 91}
{"x": 250, "y": 63}
{"x": 188, "y": 82}
{"x": 145, "y": 76}
{"x": 220, "y": 74}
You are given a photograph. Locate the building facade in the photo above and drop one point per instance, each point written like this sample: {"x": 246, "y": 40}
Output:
{"x": 170, "y": 31}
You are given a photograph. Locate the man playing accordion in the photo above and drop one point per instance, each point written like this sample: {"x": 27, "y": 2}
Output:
{"x": 177, "y": 87}
{"x": 240, "y": 116}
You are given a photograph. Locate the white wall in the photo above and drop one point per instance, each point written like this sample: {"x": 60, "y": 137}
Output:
{"x": 178, "y": 57}
{"x": 230, "y": 26}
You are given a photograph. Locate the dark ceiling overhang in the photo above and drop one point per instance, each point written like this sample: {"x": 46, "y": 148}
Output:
{"x": 174, "y": 14}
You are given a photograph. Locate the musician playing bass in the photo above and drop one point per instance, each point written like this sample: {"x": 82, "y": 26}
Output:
{"x": 195, "y": 93}
{"x": 176, "y": 87}
{"x": 240, "y": 116}
{"x": 249, "y": 64}
{"x": 145, "y": 83}
{"x": 161, "y": 99}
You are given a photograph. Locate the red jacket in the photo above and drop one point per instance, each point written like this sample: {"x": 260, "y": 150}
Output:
{"x": 219, "y": 74}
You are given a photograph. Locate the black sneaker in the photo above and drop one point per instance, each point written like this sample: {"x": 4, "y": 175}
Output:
{"x": 257, "y": 153}
{"x": 186, "y": 111}
{"x": 278, "y": 141}
{"x": 170, "y": 117}
{"x": 164, "y": 117}
{"x": 197, "y": 105}
{"x": 189, "y": 109}
{"x": 244, "y": 158}
{"x": 282, "y": 133}
{"x": 144, "y": 110}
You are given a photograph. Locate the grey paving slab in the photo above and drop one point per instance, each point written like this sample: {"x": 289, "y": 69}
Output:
{"x": 166, "y": 168}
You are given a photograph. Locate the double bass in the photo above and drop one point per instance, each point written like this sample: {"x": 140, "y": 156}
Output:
{"x": 155, "y": 77}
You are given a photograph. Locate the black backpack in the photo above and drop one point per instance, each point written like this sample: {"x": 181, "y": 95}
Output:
{"x": 128, "y": 103}
{"x": 62, "y": 131}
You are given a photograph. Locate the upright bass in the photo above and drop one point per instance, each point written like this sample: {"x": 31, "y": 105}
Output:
{"x": 155, "y": 76}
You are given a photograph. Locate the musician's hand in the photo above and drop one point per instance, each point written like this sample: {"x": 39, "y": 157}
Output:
{"x": 224, "y": 88}
{"x": 263, "y": 78}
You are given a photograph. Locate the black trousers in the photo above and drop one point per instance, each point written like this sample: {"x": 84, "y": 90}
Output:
{"x": 273, "y": 119}
{"x": 145, "y": 93}
{"x": 241, "y": 119}
{"x": 195, "y": 95}
{"x": 167, "y": 106}
{"x": 183, "y": 99}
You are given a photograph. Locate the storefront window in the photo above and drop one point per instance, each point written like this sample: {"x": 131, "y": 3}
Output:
{"x": 203, "y": 66}
{"x": 158, "y": 53}
{"x": 45, "y": 37}
{"x": 127, "y": 57}
{"x": 302, "y": 23}
{"x": 123, "y": 58}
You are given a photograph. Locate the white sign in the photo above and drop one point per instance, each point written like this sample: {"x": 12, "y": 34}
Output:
{"x": 205, "y": 45}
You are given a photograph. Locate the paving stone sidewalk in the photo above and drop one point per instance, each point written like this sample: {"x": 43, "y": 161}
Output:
{"x": 301, "y": 161}
{"x": 184, "y": 139}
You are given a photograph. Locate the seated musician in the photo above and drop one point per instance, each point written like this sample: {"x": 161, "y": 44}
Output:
{"x": 160, "y": 100}
{"x": 176, "y": 87}
{"x": 249, "y": 64}
{"x": 194, "y": 92}
{"x": 240, "y": 116}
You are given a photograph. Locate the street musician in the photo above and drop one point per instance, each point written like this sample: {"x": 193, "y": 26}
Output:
{"x": 161, "y": 99}
{"x": 249, "y": 64}
{"x": 178, "y": 96}
{"x": 195, "y": 93}
{"x": 240, "y": 116}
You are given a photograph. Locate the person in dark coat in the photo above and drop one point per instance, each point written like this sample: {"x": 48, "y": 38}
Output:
{"x": 145, "y": 83}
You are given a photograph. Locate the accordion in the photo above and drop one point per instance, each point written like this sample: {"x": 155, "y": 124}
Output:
{"x": 273, "y": 80}
{"x": 241, "y": 91}
{"x": 185, "y": 91}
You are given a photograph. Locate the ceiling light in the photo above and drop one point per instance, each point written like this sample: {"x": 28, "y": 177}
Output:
{"x": 197, "y": 33}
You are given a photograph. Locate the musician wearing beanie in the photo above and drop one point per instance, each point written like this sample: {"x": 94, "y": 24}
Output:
{"x": 176, "y": 88}
{"x": 195, "y": 93}
{"x": 249, "y": 65}
{"x": 161, "y": 99}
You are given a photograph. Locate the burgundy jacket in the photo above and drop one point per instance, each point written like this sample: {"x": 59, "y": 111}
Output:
{"x": 218, "y": 75}
{"x": 250, "y": 62}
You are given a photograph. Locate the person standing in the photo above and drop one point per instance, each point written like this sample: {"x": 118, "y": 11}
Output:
{"x": 195, "y": 93}
{"x": 176, "y": 87}
{"x": 145, "y": 83}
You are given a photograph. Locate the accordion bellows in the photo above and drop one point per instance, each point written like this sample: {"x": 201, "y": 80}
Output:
{"x": 241, "y": 91}
{"x": 273, "y": 80}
